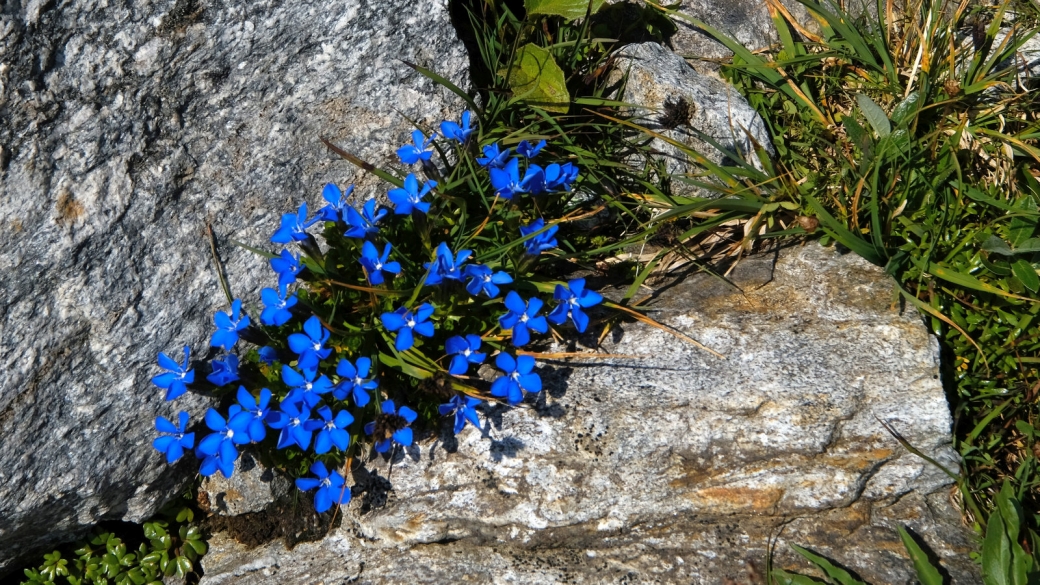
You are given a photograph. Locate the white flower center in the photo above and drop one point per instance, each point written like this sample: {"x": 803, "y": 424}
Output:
{"x": 379, "y": 265}
{"x": 523, "y": 318}
{"x": 467, "y": 352}
{"x": 515, "y": 376}
{"x": 411, "y": 323}
{"x": 487, "y": 278}
{"x": 573, "y": 301}
{"x": 307, "y": 386}
{"x": 326, "y": 482}
{"x": 330, "y": 425}
{"x": 230, "y": 433}
{"x": 317, "y": 346}
{"x": 358, "y": 381}
{"x": 294, "y": 422}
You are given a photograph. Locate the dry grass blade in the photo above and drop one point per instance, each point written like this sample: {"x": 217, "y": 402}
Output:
{"x": 653, "y": 323}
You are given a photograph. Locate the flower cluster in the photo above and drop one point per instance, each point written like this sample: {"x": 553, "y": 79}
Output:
{"x": 387, "y": 299}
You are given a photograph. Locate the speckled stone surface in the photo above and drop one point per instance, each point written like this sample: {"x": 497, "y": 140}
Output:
{"x": 668, "y": 465}
{"x": 126, "y": 126}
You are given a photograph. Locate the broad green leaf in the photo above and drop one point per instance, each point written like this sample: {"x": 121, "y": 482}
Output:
{"x": 996, "y": 553}
{"x": 834, "y": 572}
{"x": 568, "y": 9}
{"x": 1029, "y": 246}
{"x": 927, "y": 574}
{"x": 997, "y": 246}
{"x": 906, "y": 108}
{"x": 1027, "y": 274}
{"x": 536, "y": 78}
{"x": 875, "y": 115}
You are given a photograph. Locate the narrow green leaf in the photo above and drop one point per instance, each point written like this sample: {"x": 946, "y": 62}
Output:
{"x": 784, "y": 578}
{"x": 834, "y": 572}
{"x": 968, "y": 281}
{"x": 444, "y": 81}
{"x": 927, "y": 573}
{"x": 1027, "y": 274}
{"x": 568, "y": 9}
{"x": 996, "y": 553}
{"x": 875, "y": 115}
{"x": 844, "y": 236}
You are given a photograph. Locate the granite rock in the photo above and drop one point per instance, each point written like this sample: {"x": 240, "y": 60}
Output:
{"x": 127, "y": 127}
{"x": 665, "y": 464}
{"x": 252, "y": 488}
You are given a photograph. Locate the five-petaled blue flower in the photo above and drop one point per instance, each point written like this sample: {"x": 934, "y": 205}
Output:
{"x": 540, "y": 242}
{"x": 446, "y": 265}
{"x": 527, "y": 151}
{"x": 176, "y": 441}
{"x": 276, "y": 306}
{"x": 534, "y": 180}
{"x": 354, "y": 381}
{"x": 330, "y": 486}
{"x": 404, "y": 322}
{"x": 493, "y": 158}
{"x": 294, "y": 226}
{"x": 267, "y": 354}
{"x": 224, "y": 372}
{"x": 287, "y": 266}
{"x": 573, "y": 298}
{"x": 333, "y": 430}
{"x": 305, "y": 388}
{"x": 506, "y": 181}
{"x": 363, "y": 224}
{"x": 465, "y": 351}
{"x": 310, "y": 345}
{"x": 174, "y": 381}
{"x": 560, "y": 176}
{"x": 228, "y": 325}
{"x": 376, "y": 264}
{"x": 517, "y": 378}
{"x": 337, "y": 203}
{"x": 257, "y": 410}
{"x": 419, "y": 150}
{"x": 464, "y": 409}
{"x": 294, "y": 422}
{"x": 219, "y": 447}
{"x": 522, "y": 317}
{"x": 392, "y": 425}
{"x": 483, "y": 280}
{"x": 453, "y": 131}
{"x": 410, "y": 196}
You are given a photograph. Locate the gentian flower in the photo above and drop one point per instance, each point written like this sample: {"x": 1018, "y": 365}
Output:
{"x": 465, "y": 351}
{"x": 522, "y": 317}
{"x": 294, "y": 422}
{"x": 219, "y": 447}
{"x": 506, "y": 181}
{"x": 287, "y": 266}
{"x": 445, "y": 265}
{"x": 333, "y": 431}
{"x": 267, "y": 354}
{"x": 375, "y": 265}
{"x": 391, "y": 425}
{"x": 310, "y": 345}
{"x": 276, "y": 306}
{"x": 527, "y": 151}
{"x": 410, "y": 197}
{"x": 176, "y": 441}
{"x": 463, "y": 407}
{"x": 560, "y": 176}
{"x": 305, "y": 388}
{"x": 330, "y": 487}
{"x": 256, "y": 411}
{"x": 483, "y": 280}
{"x": 363, "y": 224}
{"x": 175, "y": 380}
{"x": 573, "y": 298}
{"x": 337, "y": 203}
{"x": 517, "y": 378}
{"x": 534, "y": 180}
{"x": 404, "y": 322}
{"x": 493, "y": 158}
{"x": 354, "y": 381}
{"x": 541, "y": 242}
{"x": 453, "y": 131}
{"x": 224, "y": 372}
{"x": 294, "y": 226}
{"x": 228, "y": 325}
{"x": 413, "y": 153}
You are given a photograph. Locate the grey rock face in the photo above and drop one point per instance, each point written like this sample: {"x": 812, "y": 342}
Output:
{"x": 126, "y": 128}
{"x": 252, "y": 488}
{"x": 665, "y": 464}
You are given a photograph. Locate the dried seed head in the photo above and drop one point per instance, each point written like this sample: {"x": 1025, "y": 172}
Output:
{"x": 677, "y": 113}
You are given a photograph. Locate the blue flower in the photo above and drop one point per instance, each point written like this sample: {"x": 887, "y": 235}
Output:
{"x": 375, "y": 265}
{"x": 527, "y": 151}
{"x": 294, "y": 226}
{"x": 413, "y": 153}
{"x": 354, "y": 381}
{"x": 174, "y": 444}
{"x": 228, "y": 325}
{"x": 294, "y": 422}
{"x": 493, "y": 158}
{"x": 333, "y": 431}
{"x": 541, "y": 242}
{"x": 573, "y": 298}
{"x": 219, "y": 447}
{"x": 330, "y": 486}
{"x": 409, "y": 196}
{"x": 337, "y": 202}
{"x": 465, "y": 351}
{"x": 287, "y": 266}
{"x": 534, "y": 180}
{"x": 257, "y": 411}
{"x": 304, "y": 388}
{"x": 178, "y": 376}
{"x": 464, "y": 409}
{"x": 267, "y": 354}
{"x": 310, "y": 345}
{"x": 404, "y": 322}
{"x": 560, "y": 176}
{"x": 224, "y": 372}
{"x": 276, "y": 306}
{"x": 392, "y": 425}
{"x": 517, "y": 378}
{"x": 453, "y": 131}
{"x": 506, "y": 181}
{"x": 522, "y": 317}
{"x": 363, "y": 224}
{"x": 483, "y": 280}
{"x": 445, "y": 265}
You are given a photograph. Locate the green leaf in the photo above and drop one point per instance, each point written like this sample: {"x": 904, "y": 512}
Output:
{"x": 1027, "y": 274}
{"x": 568, "y": 9}
{"x": 927, "y": 574}
{"x": 997, "y": 246}
{"x": 536, "y": 78}
{"x": 1028, "y": 246}
{"x": 996, "y": 553}
{"x": 784, "y": 578}
{"x": 875, "y": 115}
{"x": 834, "y": 572}
{"x": 906, "y": 108}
